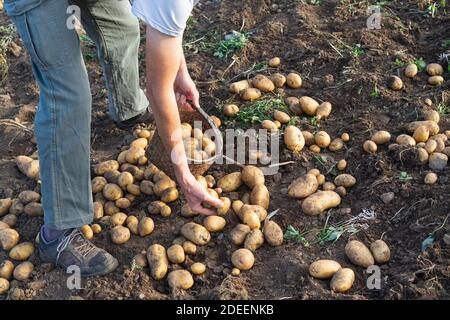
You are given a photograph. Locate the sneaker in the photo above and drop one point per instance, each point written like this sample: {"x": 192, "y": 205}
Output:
{"x": 72, "y": 248}
{"x": 145, "y": 117}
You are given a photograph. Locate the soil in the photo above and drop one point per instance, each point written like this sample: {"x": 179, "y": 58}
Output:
{"x": 301, "y": 35}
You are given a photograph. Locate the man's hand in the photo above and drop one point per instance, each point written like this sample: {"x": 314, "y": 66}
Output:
{"x": 196, "y": 194}
{"x": 185, "y": 91}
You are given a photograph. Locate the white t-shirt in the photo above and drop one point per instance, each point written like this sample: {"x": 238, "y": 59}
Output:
{"x": 166, "y": 16}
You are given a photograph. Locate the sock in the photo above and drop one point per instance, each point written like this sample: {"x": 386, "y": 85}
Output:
{"x": 51, "y": 234}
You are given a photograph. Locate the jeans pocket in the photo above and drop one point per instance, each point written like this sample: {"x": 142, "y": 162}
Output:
{"x": 25, "y": 33}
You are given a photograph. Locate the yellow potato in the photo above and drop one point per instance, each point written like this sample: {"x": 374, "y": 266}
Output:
{"x": 6, "y": 269}
{"x": 124, "y": 179}
{"x": 34, "y": 209}
{"x": 380, "y": 251}
{"x": 110, "y": 165}
{"x": 118, "y": 218}
{"x": 162, "y": 185}
{"x": 324, "y": 268}
{"x": 381, "y": 137}
{"x": 322, "y": 139}
{"x": 123, "y": 203}
{"x": 309, "y": 138}
{"x": 294, "y": 105}
{"x": 431, "y": 125}
{"x": 260, "y": 196}
{"x": 342, "y": 280}
{"x": 169, "y": 195}
{"x": 226, "y": 206}
{"x": 16, "y": 207}
{"x": 157, "y": 260}
{"x": 308, "y": 105}
{"x": 175, "y": 253}
{"x": 421, "y": 134}
{"x": 294, "y": 139}
{"x": 239, "y": 86}
{"x": 198, "y": 268}
{"x": 132, "y": 223}
{"x": 252, "y": 176}
{"x": 243, "y": 259}
{"x": 238, "y": 234}
{"x": 278, "y": 80}
{"x": 359, "y": 254}
{"x": 434, "y": 69}
{"x": 273, "y": 233}
{"x": 22, "y": 251}
{"x": 254, "y": 240}
{"x": 422, "y": 155}
{"x": 294, "y": 80}
{"x": 341, "y": 191}
{"x": 231, "y": 182}
{"x": 431, "y": 115}
{"x": 180, "y": 279}
{"x": 260, "y": 212}
{"x": 323, "y": 110}
{"x": 142, "y": 133}
{"x": 274, "y": 62}
{"x": 187, "y": 212}
{"x": 250, "y": 94}
{"x": 320, "y": 201}
{"x": 411, "y": 70}
{"x": 345, "y": 137}
{"x": 230, "y": 110}
{"x": 145, "y": 226}
{"x": 112, "y": 192}
{"x": 269, "y": 125}
{"x": 314, "y": 148}
{"x": 431, "y": 178}
{"x": 281, "y": 116}
{"x": 237, "y": 206}
{"x": 395, "y": 83}
{"x": 5, "y": 204}
{"x": 336, "y": 145}
{"x": 146, "y": 187}
{"x": 341, "y": 165}
{"x": 133, "y": 154}
{"x": 214, "y": 223}
{"x": 346, "y": 180}
{"x": 4, "y": 283}
{"x": 139, "y": 142}
{"x": 120, "y": 234}
{"x": 235, "y": 272}
{"x": 303, "y": 186}
{"x": 96, "y": 228}
{"x": 263, "y": 83}
{"x": 189, "y": 247}
{"x": 23, "y": 271}
{"x": 87, "y": 231}
{"x": 28, "y": 166}
{"x": 29, "y": 196}
{"x": 406, "y": 140}
{"x": 369, "y": 146}
{"x": 328, "y": 186}
{"x": 196, "y": 233}
{"x": 110, "y": 208}
{"x": 436, "y": 80}
{"x": 98, "y": 183}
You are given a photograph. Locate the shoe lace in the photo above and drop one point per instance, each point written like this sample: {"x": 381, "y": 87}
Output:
{"x": 85, "y": 248}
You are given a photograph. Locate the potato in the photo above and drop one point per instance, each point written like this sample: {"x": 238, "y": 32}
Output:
{"x": 112, "y": 176}
{"x": 446, "y": 151}
{"x": 324, "y": 268}
{"x": 278, "y": 80}
{"x": 230, "y": 110}
{"x": 294, "y": 139}
{"x": 214, "y": 223}
{"x": 239, "y": 86}
{"x": 243, "y": 259}
{"x": 28, "y": 166}
{"x": 294, "y": 80}
{"x": 406, "y": 140}
{"x": 6, "y": 269}
{"x": 250, "y": 94}
{"x": 303, "y": 186}
{"x": 440, "y": 145}
{"x": 10, "y": 220}
{"x": 96, "y": 228}
{"x": 186, "y": 211}
{"x": 4, "y": 225}
{"x": 260, "y": 196}
{"x": 320, "y": 201}
{"x": 132, "y": 223}
{"x": 411, "y": 70}
{"x": 22, "y": 251}
{"x": 436, "y": 80}
{"x": 195, "y": 233}
{"x": 140, "y": 261}
{"x": 110, "y": 208}
{"x": 359, "y": 254}
{"x": 118, "y": 218}
{"x": 381, "y": 137}
{"x": 97, "y": 184}
{"x": 16, "y": 207}
{"x": 235, "y": 272}
{"x": 274, "y": 62}
{"x": 434, "y": 69}
{"x": 23, "y": 271}
{"x": 216, "y": 121}
{"x": 273, "y": 233}
{"x": 380, "y": 251}
{"x": 260, "y": 212}
{"x": 269, "y": 125}
{"x": 4, "y": 284}
{"x": 308, "y": 105}
{"x": 157, "y": 260}
{"x": 189, "y": 247}
{"x": 342, "y": 280}
{"x": 431, "y": 125}
{"x": 294, "y": 105}
{"x": 110, "y": 165}
{"x": 231, "y": 182}
{"x": 237, "y": 206}
{"x": 162, "y": 185}
{"x": 142, "y": 133}
{"x": 211, "y": 180}
{"x": 328, "y": 186}
{"x": 5, "y": 204}
{"x": 421, "y": 134}
{"x": 139, "y": 142}
{"x": 437, "y": 161}
{"x": 226, "y": 206}
{"x": 281, "y": 116}
{"x": 87, "y": 231}
{"x": 323, "y": 110}
{"x": 239, "y": 233}
{"x": 175, "y": 254}
{"x": 180, "y": 279}
{"x": 341, "y": 165}
{"x": 123, "y": 203}
{"x": 341, "y": 191}
{"x": 346, "y": 180}
{"x": 125, "y": 179}
{"x": 369, "y": 146}
{"x": 133, "y": 154}
{"x": 422, "y": 155}
{"x": 431, "y": 115}
{"x": 254, "y": 240}
{"x": 34, "y": 209}
{"x": 198, "y": 268}
{"x": 121, "y": 158}
{"x": 146, "y": 187}
{"x": 336, "y": 145}
{"x": 322, "y": 139}
{"x": 120, "y": 234}
{"x": 112, "y": 192}
{"x": 169, "y": 195}
{"x": 263, "y": 83}
{"x": 395, "y": 83}
{"x": 345, "y": 137}
{"x": 145, "y": 226}
{"x": 29, "y": 196}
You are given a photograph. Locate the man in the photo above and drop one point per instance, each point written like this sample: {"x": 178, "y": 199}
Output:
{"x": 62, "y": 124}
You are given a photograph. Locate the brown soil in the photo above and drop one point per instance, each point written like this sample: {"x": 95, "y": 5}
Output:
{"x": 300, "y": 35}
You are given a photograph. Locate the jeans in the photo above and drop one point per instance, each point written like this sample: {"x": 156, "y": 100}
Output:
{"x": 63, "y": 117}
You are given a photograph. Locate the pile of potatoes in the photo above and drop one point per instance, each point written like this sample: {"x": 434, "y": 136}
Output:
{"x": 434, "y": 71}
{"x": 342, "y": 279}
{"x": 315, "y": 201}
{"x": 198, "y": 145}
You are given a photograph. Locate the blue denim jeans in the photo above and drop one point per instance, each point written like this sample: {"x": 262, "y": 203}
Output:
{"x": 63, "y": 118}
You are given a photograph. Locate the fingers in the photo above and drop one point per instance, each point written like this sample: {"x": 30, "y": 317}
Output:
{"x": 202, "y": 210}
{"x": 217, "y": 203}
{"x": 218, "y": 190}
